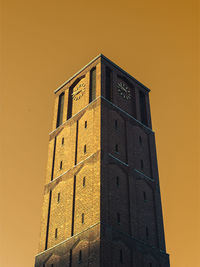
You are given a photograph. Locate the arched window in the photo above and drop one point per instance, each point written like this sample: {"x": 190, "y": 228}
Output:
{"x": 92, "y": 84}
{"x": 108, "y": 84}
{"x": 60, "y": 109}
{"x": 143, "y": 110}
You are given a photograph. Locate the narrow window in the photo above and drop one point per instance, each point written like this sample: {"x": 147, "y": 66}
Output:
{"x": 116, "y": 124}
{"x": 143, "y": 111}
{"x": 70, "y": 103}
{"x": 85, "y": 124}
{"x": 116, "y": 148}
{"x": 85, "y": 149}
{"x": 141, "y": 164}
{"x": 58, "y": 199}
{"x": 147, "y": 233}
{"x": 80, "y": 256}
{"x": 82, "y": 217}
{"x": 140, "y": 139}
{"x": 56, "y": 233}
{"x": 60, "y": 109}
{"x": 117, "y": 181}
{"x": 108, "y": 84}
{"x": 63, "y": 140}
{"x": 118, "y": 218}
{"x": 61, "y": 165}
{"x": 92, "y": 84}
{"x": 83, "y": 181}
{"x": 121, "y": 256}
{"x": 144, "y": 195}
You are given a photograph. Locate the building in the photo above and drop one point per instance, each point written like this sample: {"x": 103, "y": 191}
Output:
{"x": 102, "y": 203}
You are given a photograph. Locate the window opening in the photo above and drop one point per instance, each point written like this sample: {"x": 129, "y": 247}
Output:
{"x": 60, "y": 109}
{"x": 56, "y": 233}
{"x": 144, "y": 195}
{"x": 143, "y": 111}
{"x": 142, "y": 164}
{"x": 83, "y": 218}
{"x": 83, "y": 181}
{"x": 117, "y": 181}
{"x": 92, "y": 84}
{"x": 61, "y": 165}
{"x": 63, "y": 140}
{"x": 58, "y": 200}
{"x": 140, "y": 139}
{"x": 118, "y": 218}
{"x": 121, "y": 256}
{"x": 116, "y": 124}
{"x": 116, "y": 148}
{"x": 108, "y": 84}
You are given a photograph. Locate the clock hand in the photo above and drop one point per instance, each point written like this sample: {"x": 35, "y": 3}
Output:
{"x": 121, "y": 87}
{"x": 76, "y": 92}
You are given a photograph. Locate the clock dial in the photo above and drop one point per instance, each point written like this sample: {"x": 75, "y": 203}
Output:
{"x": 78, "y": 91}
{"x": 123, "y": 90}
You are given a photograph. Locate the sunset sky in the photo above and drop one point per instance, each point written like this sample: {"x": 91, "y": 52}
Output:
{"x": 43, "y": 43}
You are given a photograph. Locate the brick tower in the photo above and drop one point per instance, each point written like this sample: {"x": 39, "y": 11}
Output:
{"x": 102, "y": 205}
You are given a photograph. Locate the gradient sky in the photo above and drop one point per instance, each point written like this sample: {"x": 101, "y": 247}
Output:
{"x": 45, "y": 42}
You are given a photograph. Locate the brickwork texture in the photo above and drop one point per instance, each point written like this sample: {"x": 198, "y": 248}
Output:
{"x": 102, "y": 204}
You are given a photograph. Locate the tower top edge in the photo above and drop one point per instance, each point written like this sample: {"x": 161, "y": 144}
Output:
{"x": 112, "y": 63}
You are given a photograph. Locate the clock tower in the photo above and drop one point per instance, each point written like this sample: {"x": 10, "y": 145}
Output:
{"x": 102, "y": 205}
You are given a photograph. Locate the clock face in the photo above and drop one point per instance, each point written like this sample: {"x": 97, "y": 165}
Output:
{"x": 123, "y": 90}
{"x": 78, "y": 91}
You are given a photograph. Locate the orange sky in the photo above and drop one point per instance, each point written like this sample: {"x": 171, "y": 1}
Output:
{"x": 44, "y": 43}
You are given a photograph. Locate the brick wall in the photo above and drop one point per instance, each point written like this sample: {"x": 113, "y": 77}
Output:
{"x": 102, "y": 202}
